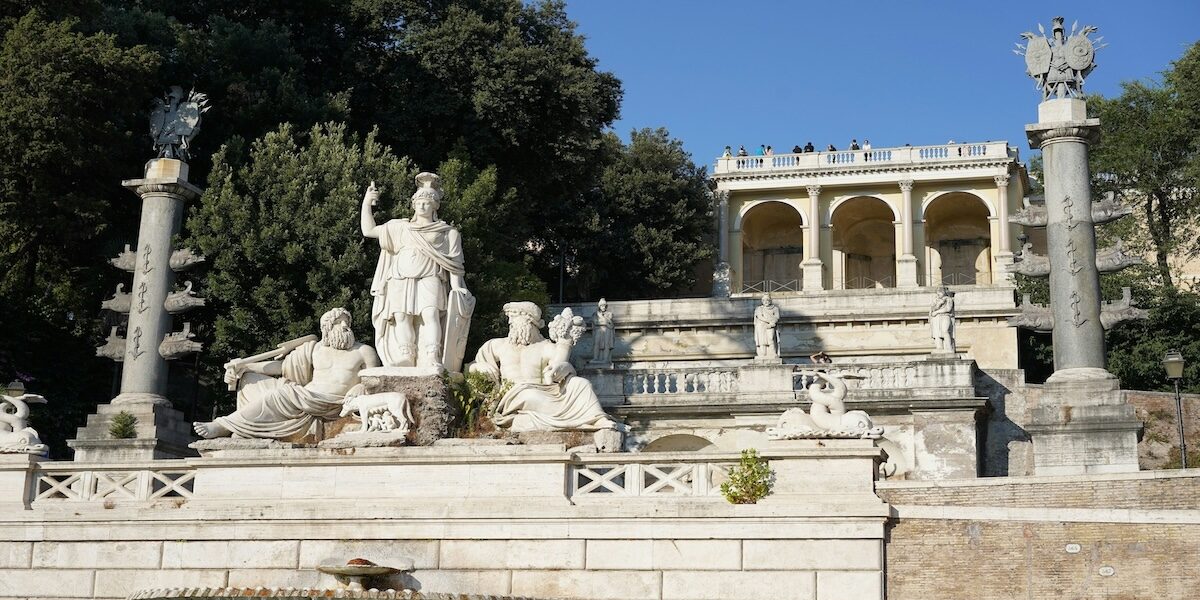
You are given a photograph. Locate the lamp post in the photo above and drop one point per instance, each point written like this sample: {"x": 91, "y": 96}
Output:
{"x": 1173, "y": 363}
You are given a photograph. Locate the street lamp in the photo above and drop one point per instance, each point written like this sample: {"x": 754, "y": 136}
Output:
{"x": 1173, "y": 363}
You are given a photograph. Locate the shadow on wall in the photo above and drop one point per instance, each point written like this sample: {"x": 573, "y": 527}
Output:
{"x": 1005, "y": 446}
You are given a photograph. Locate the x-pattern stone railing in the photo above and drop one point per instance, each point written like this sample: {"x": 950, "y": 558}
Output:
{"x": 646, "y": 475}
{"x": 139, "y": 482}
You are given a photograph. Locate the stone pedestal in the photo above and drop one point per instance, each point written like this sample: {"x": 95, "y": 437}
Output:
{"x": 162, "y": 432}
{"x": 428, "y": 394}
{"x": 906, "y": 272}
{"x": 767, "y": 381}
{"x": 814, "y": 275}
{"x": 1083, "y": 425}
{"x": 826, "y": 471}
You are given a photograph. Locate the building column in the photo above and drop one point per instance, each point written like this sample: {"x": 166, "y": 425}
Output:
{"x": 813, "y": 268}
{"x": 906, "y": 263}
{"x": 1002, "y": 248}
{"x": 721, "y": 273}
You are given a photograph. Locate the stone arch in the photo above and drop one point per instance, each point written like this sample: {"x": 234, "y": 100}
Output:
{"x": 991, "y": 207}
{"x": 837, "y": 203}
{"x": 678, "y": 442}
{"x": 958, "y": 234}
{"x": 772, "y": 246}
{"x": 864, "y": 243}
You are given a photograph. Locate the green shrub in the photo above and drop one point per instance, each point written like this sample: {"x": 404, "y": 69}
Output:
{"x": 123, "y": 426}
{"x": 749, "y": 481}
{"x": 475, "y": 396}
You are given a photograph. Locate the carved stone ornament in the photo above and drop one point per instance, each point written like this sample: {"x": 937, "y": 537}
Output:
{"x": 1035, "y": 317}
{"x": 380, "y": 413}
{"x": 1109, "y": 209}
{"x": 183, "y": 300}
{"x": 125, "y": 260}
{"x": 1027, "y": 263}
{"x": 1112, "y": 313}
{"x": 113, "y": 348}
{"x": 1114, "y": 258}
{"x": 1032, "y": 213}
{"x": 184, "y": 258}
{"x": 175, "y": 121}
{"x": 179, "y": 343}
{"x": 16, "y": 436}
{"x": 827, "y": 417}
{"x": 1060, "y": 63}
{"x": 119, "y": 302}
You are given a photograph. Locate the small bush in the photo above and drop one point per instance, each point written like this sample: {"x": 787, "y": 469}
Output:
{"x": 475, "y": 396}
{"x": 749, "y": 481}
{"x": 123, "y": 426}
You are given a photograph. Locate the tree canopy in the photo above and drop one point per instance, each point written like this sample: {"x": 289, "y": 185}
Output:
{"x": 310, "y": 101}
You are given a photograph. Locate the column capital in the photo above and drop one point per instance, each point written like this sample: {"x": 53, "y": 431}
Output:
{"x": 814, "y": 190}
{"x": 722, "y": 196}
{"x": 906, "y": 185}
{"x": 1002, "y": 180}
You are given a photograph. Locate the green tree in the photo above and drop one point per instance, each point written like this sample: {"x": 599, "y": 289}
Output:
{"x": 69, "y": 104}
{"x": 653, "y": 221}
{"x": 1149, "y": 155}
{"x": 279, "y": 225}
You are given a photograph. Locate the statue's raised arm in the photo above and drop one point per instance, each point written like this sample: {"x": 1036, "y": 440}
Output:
{"x": 370, "y": 199}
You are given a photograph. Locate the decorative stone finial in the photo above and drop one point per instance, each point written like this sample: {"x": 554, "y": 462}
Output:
{"x": 1060, "y": 63}
{"x": 175, "y": 121}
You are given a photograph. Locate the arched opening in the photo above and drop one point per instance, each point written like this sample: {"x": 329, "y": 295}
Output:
{"x": 958, "y": 240}
{"x": 679, "y": 442}
{"x": 772, "y": 248}
{"x": 865, "y": 236}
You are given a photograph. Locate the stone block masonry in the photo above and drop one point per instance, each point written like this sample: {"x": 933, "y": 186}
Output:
{"x": 1079, "y": 537}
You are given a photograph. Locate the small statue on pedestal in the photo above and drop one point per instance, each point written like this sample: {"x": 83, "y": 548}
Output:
{"x": 766, "y": 331}
{"x": 941, "y": 322}
{"x": 602, "y": 334}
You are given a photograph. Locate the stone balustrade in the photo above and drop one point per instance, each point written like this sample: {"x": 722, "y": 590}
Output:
{"x": 681, "y": 381}
{"x": 649, "y": 474}
{"x": 904, "y": 155}
{"x": 70, "y": 482}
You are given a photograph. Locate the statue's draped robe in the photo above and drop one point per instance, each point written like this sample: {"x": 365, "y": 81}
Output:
{"x": 415, "y": 262}
{"x": 941, "y": 321}
{"x": 282, "y": 407}
{"x": 766, "y": 319}
{"x": 545, "y": 406}
{"x": 602, "y": 339}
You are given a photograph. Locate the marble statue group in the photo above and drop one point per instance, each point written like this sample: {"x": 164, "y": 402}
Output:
{"x": 421, "y": 312}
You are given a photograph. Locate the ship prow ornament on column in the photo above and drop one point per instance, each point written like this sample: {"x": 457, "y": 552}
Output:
{"x": 1082, "y": 424}
{"x": 150, "y": 338}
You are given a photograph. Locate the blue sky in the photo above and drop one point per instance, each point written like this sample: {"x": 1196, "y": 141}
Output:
{"x": 782, "y": 73}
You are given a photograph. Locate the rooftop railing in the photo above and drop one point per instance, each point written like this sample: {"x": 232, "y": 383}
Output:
{"x": 904, "y": 155}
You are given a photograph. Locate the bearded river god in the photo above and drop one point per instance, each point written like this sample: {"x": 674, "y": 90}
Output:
{"x": 303, "y": 386}
{"x": 546, "y": 395}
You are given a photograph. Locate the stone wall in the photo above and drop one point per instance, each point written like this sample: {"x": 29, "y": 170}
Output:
{"x": 1173, "y": 490}
{"x": 684, "y": 569}
{"x": 530, "y": 521}
{"x": 952, "y": 559}
{"x": 1159, "y": 446}
{"x": 1120, "y": 536}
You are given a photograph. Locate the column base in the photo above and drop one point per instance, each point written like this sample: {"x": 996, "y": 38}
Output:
{"x": 906, "y": 272}
{"x": 814, "y": 275}
{"x": 162, "y": 432}
{"x": 1000, "y": 272}
{"x": 1083, "y": 425}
